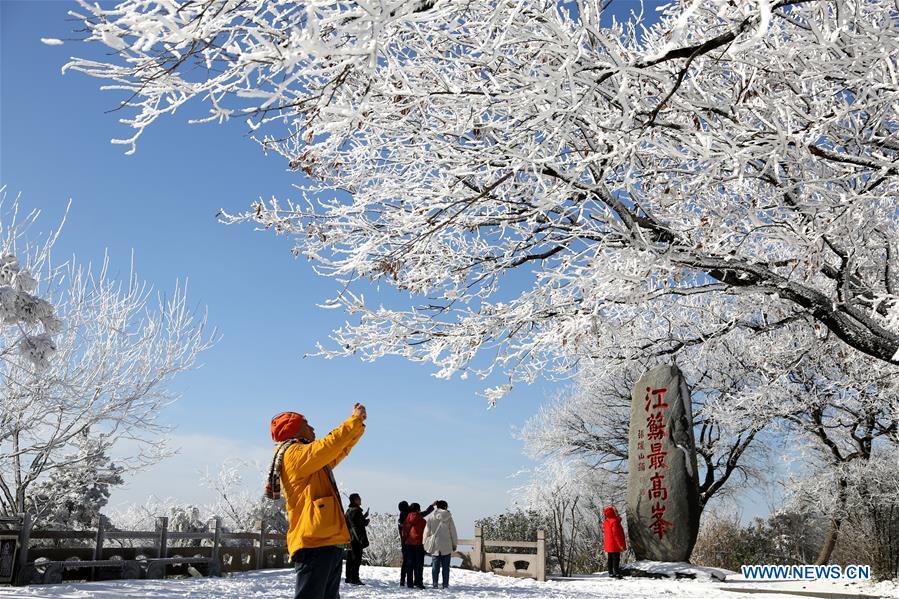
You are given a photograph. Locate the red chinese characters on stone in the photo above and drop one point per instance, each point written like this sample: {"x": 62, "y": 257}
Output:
{"x": 655, "y": 461}
{"x": 657, "y": 456}
{"x": 655, "y": 423}
{"x": 659, "y": 525}
{"x": 659, "y": 395}
{"x": 658, "y": 491}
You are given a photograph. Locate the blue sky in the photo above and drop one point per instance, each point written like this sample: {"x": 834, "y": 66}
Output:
{"x": 426, "y": 438}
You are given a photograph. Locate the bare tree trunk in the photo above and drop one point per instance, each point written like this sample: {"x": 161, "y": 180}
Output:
{"x": 830, "y": 541}
{"x": 19, "y": 507}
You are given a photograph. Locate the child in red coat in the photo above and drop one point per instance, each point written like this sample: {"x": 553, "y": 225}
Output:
{"x": 613, "y": 540}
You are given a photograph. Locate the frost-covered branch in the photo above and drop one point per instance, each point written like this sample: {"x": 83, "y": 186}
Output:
{"x": 527, "y": 175}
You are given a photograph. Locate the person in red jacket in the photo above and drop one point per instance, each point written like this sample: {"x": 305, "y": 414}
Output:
{"x": 413, "y": 539}
{"x": 613, "y": 540}
{"x": 404, "y": 509}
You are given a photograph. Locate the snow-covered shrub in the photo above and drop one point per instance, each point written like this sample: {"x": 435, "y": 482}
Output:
{"x": 723, "y": 542}
{"x": 187, "y": 518}
{"x": 71, "y": 498}
{"x": 514, "y": 525}
{"x": 384, "y": 541}
{"x": 273, "y": 513}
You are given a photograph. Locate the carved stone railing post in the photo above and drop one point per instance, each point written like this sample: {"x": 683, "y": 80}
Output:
{"x": 98, "y": 542}
{"x": 215, "y": 524}
{"x": 541, "y": 555}
{"x": 162, "y": 528}
{"x": 24, "y": 541}
{"x": 260, "y": 552}
{"x": 477, "y": 554}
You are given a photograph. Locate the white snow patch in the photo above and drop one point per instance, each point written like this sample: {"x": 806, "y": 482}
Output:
{"x": 672, "y": 569}
{"x": 51, "y": 41}
{"x": 382, "y": 583}
{"x": 688, "y": 463}
{"x": 887, "y": 588}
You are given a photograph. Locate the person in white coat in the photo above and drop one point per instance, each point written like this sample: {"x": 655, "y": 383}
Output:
{"x": 440, "y": 541}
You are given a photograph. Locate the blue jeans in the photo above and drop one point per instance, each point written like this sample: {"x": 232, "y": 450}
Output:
{"x": 440, "y": 562}
{"x": 318, "y": 572}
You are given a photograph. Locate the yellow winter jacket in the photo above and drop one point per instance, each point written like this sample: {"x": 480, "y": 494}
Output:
{"x": 313, "y": 504}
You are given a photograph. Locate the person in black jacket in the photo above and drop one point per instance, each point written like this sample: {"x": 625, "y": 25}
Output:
{"x": 356, "y": 521}
{"x": 403, "y": 507}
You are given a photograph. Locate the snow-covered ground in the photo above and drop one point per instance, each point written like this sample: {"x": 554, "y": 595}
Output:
{"x": 382, "y": 583}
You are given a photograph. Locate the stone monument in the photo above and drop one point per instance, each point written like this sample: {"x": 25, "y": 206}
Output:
{"x": 662, "y": 483}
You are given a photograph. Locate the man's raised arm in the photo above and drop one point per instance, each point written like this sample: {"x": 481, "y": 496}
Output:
{"x": 331, "y": 449}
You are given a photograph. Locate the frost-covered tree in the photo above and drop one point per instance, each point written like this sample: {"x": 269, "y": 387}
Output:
{"x": 590, "y": 422}
{"x": 736, "y": 371}
{"x": 187, "y": 518}
{"x": 859, "y": 495}
{"x": 116, "y": 352}
{"x": 837, "y": 404}
{"x": 875, "y": 516}
{"x": 742, "y": 150}
{"x": 137, "y": 516}
{"x": 71, "y": 498}
{"x": 843, "y": 408}
{"x": 797, "y": 533}
{"x": 182, "y": 517}
{"x": 242, "y": 507}
{"x": 29, "y": 322}
{"x": 233, "y": 501}
{"x": 569, "y": 497}
{"x": 384, "y": 541}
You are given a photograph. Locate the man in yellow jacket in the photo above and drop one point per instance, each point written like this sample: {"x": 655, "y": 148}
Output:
{"x": 317, "y": 526}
